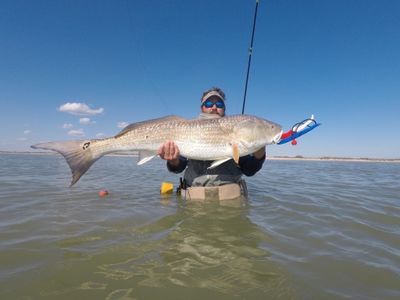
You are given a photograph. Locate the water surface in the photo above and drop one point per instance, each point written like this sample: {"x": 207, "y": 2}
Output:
{"x": 309, "y": 230}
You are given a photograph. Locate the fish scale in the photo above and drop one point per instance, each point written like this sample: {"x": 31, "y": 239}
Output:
{"x": 216, "y": 139}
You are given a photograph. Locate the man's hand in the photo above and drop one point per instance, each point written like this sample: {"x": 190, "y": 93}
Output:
{"x": 169, "y": 151}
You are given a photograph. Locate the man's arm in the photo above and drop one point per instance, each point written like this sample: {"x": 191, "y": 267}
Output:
{"x": 169, "y": 151}
{"x": 178, "y": 165}
{"x": 251, "y": 164}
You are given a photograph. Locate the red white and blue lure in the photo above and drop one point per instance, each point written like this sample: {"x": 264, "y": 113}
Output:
{"x": 297, "y": 130}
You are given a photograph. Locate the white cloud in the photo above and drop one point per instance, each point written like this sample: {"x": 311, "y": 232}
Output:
{"x": 86, "y": 121}
{"x": 77, "y": 132}
{"x": 67, "y": 126}
{"x": 122, "y": 124}
{"x": 79, "y": 109}
{"x": 22, "y": 139}
{"x": 100, "y": 135}
{"x": 27, "y": 131}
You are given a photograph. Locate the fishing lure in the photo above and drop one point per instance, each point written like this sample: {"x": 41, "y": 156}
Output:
{"x": 298, "y": 130}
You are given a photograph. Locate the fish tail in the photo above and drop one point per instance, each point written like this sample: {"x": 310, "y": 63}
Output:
{"x": 78, "y": 154}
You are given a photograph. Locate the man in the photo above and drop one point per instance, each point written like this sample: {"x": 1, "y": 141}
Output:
{"x": 225, "y": 178}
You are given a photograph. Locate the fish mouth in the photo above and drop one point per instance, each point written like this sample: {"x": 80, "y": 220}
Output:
{"x": 277, "y": 137}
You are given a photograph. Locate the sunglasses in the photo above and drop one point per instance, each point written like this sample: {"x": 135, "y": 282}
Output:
{"x": 209, "y": 104}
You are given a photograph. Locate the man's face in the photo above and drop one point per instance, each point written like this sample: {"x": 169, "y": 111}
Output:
{"x": 210, "y": 106}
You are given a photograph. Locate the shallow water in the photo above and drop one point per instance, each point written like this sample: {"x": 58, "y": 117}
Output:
{"x": 310, "y": 230}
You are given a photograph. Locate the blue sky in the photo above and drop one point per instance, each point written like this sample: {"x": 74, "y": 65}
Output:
{"x": 127, "y": 61}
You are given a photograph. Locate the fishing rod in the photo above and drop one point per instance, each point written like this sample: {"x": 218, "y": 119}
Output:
{"x": 250, "y": 54}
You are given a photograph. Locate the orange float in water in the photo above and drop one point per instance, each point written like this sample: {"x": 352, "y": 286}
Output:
{"x": 103, "y": 193}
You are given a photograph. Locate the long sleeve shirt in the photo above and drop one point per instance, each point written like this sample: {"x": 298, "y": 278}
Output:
{"x": 198, "y": 174}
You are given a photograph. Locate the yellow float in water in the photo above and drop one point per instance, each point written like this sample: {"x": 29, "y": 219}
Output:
{"x": 166, "y": 188}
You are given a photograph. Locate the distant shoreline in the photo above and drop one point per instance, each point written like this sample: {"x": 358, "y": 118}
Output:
{"x": 328, "y": 158}
{"x": 295, "y": 158}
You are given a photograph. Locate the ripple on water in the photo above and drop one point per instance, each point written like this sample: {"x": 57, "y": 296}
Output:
{"x": 310, "y": 230}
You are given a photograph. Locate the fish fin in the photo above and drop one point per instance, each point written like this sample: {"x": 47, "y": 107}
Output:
{"x": 235, "y": 153}
{"x": 145, "y": 156}
{"x": 78, "y": 155}
{"x": 216, "y": 163}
